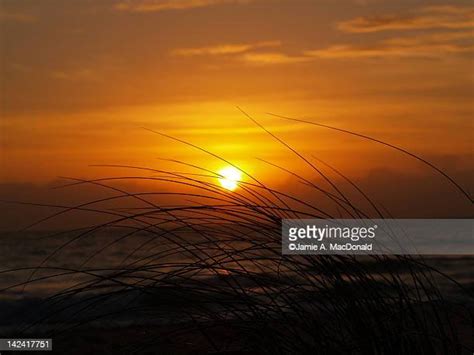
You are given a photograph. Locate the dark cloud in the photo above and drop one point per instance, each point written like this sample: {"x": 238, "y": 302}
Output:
{"x": 451, "y": 17}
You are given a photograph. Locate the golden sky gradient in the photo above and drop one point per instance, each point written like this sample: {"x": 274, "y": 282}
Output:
{"x": 79, "y": 80}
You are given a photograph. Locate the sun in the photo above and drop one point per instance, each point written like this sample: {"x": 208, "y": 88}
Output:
{"x": 230, "y": 177}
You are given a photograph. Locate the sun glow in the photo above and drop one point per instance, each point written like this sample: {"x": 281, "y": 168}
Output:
{"x": 230, "y": 177}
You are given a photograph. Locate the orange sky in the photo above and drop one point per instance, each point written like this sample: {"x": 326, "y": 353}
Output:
{"x": 79, "y": 80}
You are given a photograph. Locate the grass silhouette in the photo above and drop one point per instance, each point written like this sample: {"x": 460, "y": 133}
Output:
{"x": 206, "y": 275}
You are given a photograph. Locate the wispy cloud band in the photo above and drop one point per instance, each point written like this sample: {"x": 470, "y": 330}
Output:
{"x": 385, "y": 49}
{"x": 164, "y": 5}
{"x": 272, "y": 58}
{"x": 449, "y": 16}
{"x": 450, "y": 33}
{"x": 222, "y": 49}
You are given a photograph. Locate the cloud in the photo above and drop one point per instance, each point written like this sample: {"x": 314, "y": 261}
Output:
{"x": 223, "y": 49}
{"x": 365, "y": 2}
{"x": 454, "y": 26}
{"x": 385, "y": 49}
{"x": 272, "y": 58}
{"x": 431, "y": 38}
{"x": 422, "y": 46}
{"x": 6, "y": 16}
{"x": 244, "y": 52}
{"x": 164, "y": 5}
{"x": 426, "y": 45}
{"x": 449, "y": 16}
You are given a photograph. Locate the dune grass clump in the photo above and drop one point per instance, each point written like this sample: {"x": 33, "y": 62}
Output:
{"x": 201, "y": 271}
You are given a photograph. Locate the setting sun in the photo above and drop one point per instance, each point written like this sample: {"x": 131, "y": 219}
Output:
{"x": 230, "y": 177}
